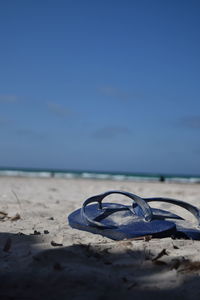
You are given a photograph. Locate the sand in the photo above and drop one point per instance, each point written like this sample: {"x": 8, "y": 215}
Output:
{"x": 42, "y": 257}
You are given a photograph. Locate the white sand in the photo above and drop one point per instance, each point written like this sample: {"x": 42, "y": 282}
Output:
{"x": 88, "y": 266}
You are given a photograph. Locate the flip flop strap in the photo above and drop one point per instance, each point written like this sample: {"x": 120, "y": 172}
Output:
{"x": 98, "y": 198}
{"x": 193, "y": 209}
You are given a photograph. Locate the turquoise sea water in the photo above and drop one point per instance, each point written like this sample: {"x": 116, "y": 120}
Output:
{"x": 30, "y": 172}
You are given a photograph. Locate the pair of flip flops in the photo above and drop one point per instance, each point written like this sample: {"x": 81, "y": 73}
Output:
{"x": 118, "y": 222}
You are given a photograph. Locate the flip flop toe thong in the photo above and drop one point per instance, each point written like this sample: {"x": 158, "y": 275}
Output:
{"x": 117, "y": 221}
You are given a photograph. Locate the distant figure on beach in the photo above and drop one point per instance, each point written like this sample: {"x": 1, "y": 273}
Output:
{"x": 162, "y": 178}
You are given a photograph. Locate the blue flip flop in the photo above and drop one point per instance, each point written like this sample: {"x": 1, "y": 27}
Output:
{"x": 118, "y": 222}
{"x": 184, "y": 228}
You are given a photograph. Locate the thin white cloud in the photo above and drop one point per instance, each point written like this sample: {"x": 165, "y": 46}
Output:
{"x": 8, "y": 98}
{"x": 5, "y": 121}
{"x": 29, "y": 133}
{"x": 58, "y": 110}
{"x": 2, "y": 121}
{"x": 192, "y": 122}
{"x": 111, "y": 132}
{"x": 114, "y": 92}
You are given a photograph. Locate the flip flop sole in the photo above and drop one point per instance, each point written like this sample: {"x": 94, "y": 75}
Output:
{"x": 184, "y": 229}
{"x": 187, "y": 231}
{"x": 126, "y": 224}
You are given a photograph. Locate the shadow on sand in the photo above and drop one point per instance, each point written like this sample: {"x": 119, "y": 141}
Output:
{"x": 29, "y": 272}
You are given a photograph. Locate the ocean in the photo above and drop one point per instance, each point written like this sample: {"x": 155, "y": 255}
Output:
{"x": 148, "y": 177}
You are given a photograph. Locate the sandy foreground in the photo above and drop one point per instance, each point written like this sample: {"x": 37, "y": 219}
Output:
{"x": 42, "y": 257}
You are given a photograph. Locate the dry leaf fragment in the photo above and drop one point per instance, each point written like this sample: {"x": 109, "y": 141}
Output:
{"x": 15, "y": 218}
{"x": 163, "y": 252}
{"x": 3, "y": 215}
{"x": 147, "y": 238}
{"x": 36, "y": 232}
{"x": 54, "y": 244}
{"x": 175, "y": 247}
{"x": 190, "y": 266}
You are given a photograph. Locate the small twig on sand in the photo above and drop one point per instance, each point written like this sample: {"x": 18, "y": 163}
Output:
{"x": 54, "y": 244}
{"x": 18, "y": 201}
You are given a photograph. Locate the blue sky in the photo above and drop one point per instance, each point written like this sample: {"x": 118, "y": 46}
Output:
{"x": 100, "y": 85}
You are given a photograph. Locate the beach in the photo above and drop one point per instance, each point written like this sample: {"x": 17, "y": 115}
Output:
{"x": 41, "y": 256}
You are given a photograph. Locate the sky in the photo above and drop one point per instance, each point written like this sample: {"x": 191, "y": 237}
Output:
{"x": 110, "y": 85}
